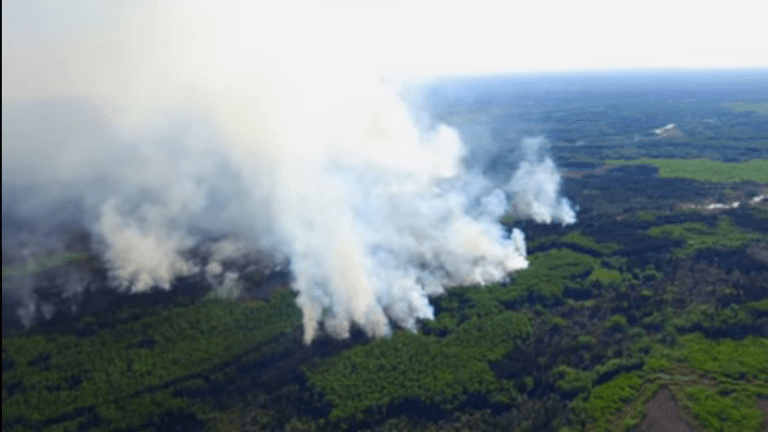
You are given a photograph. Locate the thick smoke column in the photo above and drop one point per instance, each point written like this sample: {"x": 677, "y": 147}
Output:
{"x": 269, "y": 124}
{"x": 363, "y": 206}
{"x": 536, "y": 186}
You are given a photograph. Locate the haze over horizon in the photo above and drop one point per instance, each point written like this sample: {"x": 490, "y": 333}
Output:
{"x": 403, "y": 41}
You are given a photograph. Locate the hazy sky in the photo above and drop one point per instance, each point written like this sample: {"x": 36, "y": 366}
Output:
{"x": 422, "y": 38}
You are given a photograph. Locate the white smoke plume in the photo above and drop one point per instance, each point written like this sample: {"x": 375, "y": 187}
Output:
{"x": 143, "y": 258}
{"x": 536, "y": 186}
{"x": 269, "y": 123}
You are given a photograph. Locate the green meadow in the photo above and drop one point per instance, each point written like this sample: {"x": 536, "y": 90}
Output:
{"x": 705, "y": 169}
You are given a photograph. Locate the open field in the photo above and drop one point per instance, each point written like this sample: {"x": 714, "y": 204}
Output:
{"x": 705, "y": 169}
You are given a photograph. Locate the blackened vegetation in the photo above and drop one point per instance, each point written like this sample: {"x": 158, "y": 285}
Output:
{"x": 258, "y": 391}
{"x": 626, "y": 189}
{"x": 73, "y": 293}
{"x": 174, "y": 422}
{"x": 146, "y": 343}
{"x": 8, "y": 362}
{"x": 41, "y": 362}
{"x": 257, "y": 286}
{"x": 100, "y": 306}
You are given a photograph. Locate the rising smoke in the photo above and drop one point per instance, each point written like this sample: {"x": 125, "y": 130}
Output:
{"x": 184, "y": 123}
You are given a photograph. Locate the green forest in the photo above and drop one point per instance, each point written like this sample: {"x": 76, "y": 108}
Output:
{"x": 580, "y": 341}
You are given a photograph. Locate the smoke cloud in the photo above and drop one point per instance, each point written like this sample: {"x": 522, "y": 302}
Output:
{"x": 536, "y": 186}
{"x": 269, "y": 125}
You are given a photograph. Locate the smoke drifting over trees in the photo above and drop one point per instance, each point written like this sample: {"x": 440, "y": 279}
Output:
{"x": 185, "y": 123}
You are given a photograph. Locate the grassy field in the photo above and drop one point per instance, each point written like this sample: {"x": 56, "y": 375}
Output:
{"x": 705, "y": 169}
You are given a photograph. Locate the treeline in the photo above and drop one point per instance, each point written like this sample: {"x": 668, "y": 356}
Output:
{"x": 580, "y": 340}
{"x": 123, "y": 378}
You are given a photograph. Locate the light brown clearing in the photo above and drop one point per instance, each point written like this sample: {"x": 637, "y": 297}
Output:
{"x": 662, "y": 414}
{"x": 763, "y": 405}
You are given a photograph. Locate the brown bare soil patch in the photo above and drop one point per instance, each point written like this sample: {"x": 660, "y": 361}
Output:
{"x": 577, "y": 174}
{"x": 663, "y": 414}
{"x": 763, "y": 405}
